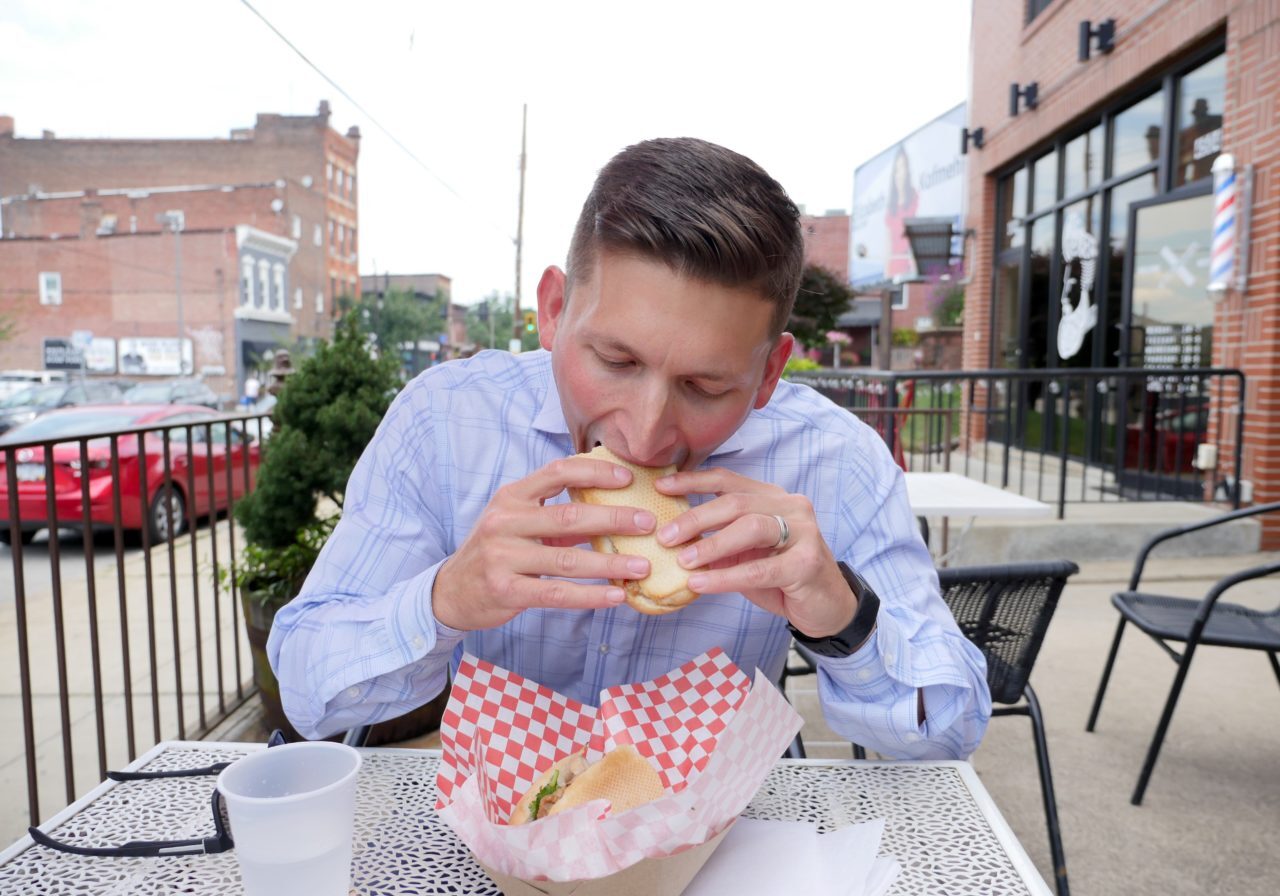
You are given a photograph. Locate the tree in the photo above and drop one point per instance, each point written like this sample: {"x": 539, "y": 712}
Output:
{"x": 325, "y": 415}
{"x": 823, "y": 297}
{"x": 478, "y": 324}
{"x": 8, "y": 327}
{"x": 397, "y": 317}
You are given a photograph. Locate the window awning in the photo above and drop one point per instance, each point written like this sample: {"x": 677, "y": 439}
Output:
{"x": 931, "y": 242}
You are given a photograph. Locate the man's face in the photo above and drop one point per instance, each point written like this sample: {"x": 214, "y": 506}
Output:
{"x": 660, "y": 368}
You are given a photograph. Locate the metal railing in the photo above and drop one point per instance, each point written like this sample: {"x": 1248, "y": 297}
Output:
{"x": 102, "y": 679}
{"x": 1070, "y": 435}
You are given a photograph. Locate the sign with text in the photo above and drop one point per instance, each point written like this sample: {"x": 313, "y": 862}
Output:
{"x": 59, "y": 354}
{"x": 155, "y": 356}
{"x": 100, "y": 355}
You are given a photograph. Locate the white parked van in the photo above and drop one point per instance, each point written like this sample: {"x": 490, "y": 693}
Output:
{"x": 12, "y": 381}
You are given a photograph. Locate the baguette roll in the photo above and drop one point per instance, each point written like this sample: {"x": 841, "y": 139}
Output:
{"x": 666, "y": 588}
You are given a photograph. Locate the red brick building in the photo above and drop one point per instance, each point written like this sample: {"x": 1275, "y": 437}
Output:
{"x": 826, "y": 241}
{"x": 1111, "y": 163}
{"x": 280, "y": 197}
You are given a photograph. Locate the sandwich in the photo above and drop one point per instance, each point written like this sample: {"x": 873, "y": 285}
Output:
{"x": 622, "y": 776}
{"x": 666, "y": 588}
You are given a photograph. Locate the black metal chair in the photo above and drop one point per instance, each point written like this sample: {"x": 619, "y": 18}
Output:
{"x": 1191, "y": 622}
{"x": 1005, "y": 610}
{"x": 357, "y": 736}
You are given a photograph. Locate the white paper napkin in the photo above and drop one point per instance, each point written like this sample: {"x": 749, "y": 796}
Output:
{"x": 764, "y": 858}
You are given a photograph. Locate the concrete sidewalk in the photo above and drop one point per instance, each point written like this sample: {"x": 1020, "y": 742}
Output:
{"x": 1209, "y": 820}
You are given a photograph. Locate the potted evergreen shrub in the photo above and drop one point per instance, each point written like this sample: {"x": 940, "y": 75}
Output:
{"x": 325, "y": 415}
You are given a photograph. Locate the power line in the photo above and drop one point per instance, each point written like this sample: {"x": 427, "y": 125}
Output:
{"x": 369, "y": 115}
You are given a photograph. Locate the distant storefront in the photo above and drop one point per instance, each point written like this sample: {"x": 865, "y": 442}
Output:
{"x": 1103, "y": 235}
{"x": 1092, "y": 206}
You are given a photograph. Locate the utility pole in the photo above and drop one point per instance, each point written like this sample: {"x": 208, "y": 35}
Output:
{"x": 517, "y": 319}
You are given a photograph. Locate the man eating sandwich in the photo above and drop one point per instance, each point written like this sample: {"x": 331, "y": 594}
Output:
{"x": 664, "y": 341}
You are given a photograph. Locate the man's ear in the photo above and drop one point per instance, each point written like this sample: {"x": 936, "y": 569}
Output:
{"x": 551, "y": 299}
{"x": 778, "y": 357}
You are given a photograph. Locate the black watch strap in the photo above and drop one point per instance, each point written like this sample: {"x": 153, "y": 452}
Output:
{"x": 845, "y": 642}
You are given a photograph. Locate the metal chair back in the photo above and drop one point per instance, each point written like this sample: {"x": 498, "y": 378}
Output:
{"x": 1005, "y": 610}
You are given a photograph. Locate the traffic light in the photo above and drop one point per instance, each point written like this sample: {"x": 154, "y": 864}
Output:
{"x": 531, "y": 321}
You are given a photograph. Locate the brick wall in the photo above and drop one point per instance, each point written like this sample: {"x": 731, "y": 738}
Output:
{"x": 826, "y": 242}
{"x": 290, "y": 158}
{"x": 123, "y": 286}
{"x": 1148, "y": 39}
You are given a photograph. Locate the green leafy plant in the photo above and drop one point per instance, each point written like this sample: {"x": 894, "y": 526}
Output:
{"x": 799, "y": 365}
{"x": 948, "y": 308}
{"x": 822, "y": 298}
{"x": 904, "y": 337}
{"x": 324, "y": 417}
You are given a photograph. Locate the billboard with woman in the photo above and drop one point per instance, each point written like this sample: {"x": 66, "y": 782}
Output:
{"x": 920, "y": 176}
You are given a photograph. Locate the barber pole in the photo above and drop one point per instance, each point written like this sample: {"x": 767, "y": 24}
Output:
{"x": 1222, "y": 257}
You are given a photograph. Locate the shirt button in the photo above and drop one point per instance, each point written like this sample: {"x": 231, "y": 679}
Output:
{"x": 604, "y": 648}
{"x": 889, "y": 659}
{"x": 864, "y": 674}
{"x": 419, "y": 643}
{"x": 911, "y": 738}
{"x": 353, "y": 692}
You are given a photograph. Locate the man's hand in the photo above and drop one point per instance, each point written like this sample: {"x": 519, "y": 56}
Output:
{"x": 497, "y": 572}
{"x": 795, "y": 577}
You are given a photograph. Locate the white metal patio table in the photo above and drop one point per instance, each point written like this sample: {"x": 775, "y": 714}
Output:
{"x": 949, "y": 495}
{"x": 941, "y": 826}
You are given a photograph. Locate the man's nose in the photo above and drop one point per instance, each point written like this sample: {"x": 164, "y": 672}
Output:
{"x": 651, "y": 437}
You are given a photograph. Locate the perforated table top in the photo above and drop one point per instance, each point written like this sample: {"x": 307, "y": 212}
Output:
{"x": 941, "y": 826}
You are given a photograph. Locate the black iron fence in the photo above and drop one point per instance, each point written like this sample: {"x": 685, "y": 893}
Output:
{"x": 1061, "y": 436}
{"x": 123, "y": 631}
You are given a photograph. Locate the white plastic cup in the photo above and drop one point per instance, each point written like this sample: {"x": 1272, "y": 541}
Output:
{"x": 292, "y": 814}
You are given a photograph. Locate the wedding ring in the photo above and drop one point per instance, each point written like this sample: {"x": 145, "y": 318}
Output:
{"x": 784, "y": 533}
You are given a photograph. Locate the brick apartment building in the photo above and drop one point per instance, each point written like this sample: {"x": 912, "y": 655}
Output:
{"x": 1114, "y": 160}
{"x": 268, "y": 230}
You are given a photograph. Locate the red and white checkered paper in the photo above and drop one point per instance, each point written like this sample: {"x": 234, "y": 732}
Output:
{"x": 711, "y": 735}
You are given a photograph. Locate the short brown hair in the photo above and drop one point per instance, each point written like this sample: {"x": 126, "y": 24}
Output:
{"x": 708, "y": 212}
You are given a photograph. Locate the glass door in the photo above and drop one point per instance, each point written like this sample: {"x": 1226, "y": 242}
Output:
{"x": 1169, "y": 326}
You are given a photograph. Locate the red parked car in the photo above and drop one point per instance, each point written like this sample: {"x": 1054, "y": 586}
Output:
{"x": 166, "y": 509}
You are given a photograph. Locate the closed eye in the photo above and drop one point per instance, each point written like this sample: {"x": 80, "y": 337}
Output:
{"x": 703, "y": 391}
{"x": 614, "y": 363}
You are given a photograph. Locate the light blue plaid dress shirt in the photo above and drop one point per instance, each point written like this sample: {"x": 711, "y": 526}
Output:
{"x": 361, "y": 644}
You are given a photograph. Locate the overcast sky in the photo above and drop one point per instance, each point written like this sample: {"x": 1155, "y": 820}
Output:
{"x": 808, "y": 88}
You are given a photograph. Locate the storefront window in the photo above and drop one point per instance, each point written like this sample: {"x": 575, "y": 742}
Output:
{"x": 1082, "y": 162}
{"x": 1042, "y": 292}
{"x": 1044, "y": 179}
{"x": 1172, "y": 317}
{"x": 1122, "y": 197}
{"x": 1200, "y": 102}
{"x": 1008, "y": 351}
{"x": 1013, "y": 206}
{"x": 1136, "y": 135}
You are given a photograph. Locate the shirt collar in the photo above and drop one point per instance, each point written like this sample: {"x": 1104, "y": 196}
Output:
{"x": 550, "y": 419}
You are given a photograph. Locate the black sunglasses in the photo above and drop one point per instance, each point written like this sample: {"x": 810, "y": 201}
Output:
{"x": 220, "y": 841}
